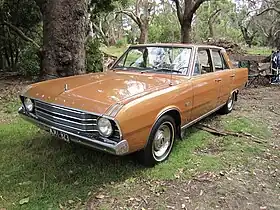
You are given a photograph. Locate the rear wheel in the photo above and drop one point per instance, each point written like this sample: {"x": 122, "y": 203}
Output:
{"x": 160, "y": 142}
{"x": 228, "y": 107}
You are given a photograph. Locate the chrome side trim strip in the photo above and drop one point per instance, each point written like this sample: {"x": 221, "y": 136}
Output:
{"x": 201, "y": 117}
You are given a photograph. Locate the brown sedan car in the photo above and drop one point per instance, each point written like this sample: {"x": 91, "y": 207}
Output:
{"x": 142, "y": 104}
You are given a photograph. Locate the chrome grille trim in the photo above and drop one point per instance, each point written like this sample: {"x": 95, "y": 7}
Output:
{"x": 58, "y": 107}
{"x": 41, "y": 114}
{"x": 55, "y": 123}
{"x": 83, "y": 123}
{"x": 63, "y": 115}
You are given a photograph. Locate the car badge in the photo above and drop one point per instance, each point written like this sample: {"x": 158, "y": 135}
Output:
{"x": 65, "y": 87}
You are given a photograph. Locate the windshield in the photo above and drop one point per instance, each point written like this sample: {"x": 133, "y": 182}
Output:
{"x": 161, "y": 59}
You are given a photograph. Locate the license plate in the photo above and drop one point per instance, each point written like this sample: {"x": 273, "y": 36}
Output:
{"x": 60, "y": 135}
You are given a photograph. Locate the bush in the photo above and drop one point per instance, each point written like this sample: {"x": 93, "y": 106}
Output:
{"x": 29, "y": 62}
{"x": 93, "y": 56}
{"x": 121, "y": 42}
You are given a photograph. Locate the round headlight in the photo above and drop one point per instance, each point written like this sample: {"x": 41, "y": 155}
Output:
{"x": 28, "y": 104}
{"x": 105, "y": 127}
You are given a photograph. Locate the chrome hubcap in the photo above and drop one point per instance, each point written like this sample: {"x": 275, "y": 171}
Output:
{"x": 163, "y": 141}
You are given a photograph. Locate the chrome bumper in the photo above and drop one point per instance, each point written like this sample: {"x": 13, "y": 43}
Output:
{"x": 116, "y": 148}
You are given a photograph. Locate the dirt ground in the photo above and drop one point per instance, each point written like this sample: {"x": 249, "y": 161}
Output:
{"x": 254, "y": 186}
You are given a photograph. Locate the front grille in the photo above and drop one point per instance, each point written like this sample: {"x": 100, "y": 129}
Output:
{"x": 71, "y": 120}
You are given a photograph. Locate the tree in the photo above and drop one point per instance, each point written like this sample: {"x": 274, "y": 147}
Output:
{"x": 66, "y": 25}
{"x": 164, "y": 27}
{"x": 141, "y": 14}
{"x": 268, "y": 22}
{"x": 19, "y": 21}
{"x": 185, "y": 13}
{"x": 64, "y": 35}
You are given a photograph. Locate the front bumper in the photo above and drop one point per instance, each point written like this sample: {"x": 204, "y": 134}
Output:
{"x": 116, "y": 148}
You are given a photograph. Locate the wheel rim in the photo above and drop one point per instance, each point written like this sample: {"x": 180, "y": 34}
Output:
{"x": 230, "y": 103}
{"x": 163, "y": 141}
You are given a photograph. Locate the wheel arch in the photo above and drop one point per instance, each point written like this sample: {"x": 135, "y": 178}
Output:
{"x": 174, "y": 112}
{"x": 235, "y": 94}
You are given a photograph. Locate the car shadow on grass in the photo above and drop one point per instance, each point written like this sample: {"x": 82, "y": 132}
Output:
{"x": 48, "y": 170}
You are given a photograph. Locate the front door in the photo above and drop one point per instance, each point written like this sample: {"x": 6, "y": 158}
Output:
{"x": 205, "y": 85}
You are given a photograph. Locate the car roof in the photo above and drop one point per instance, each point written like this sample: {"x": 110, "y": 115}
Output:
{"x": 177, "y": 45}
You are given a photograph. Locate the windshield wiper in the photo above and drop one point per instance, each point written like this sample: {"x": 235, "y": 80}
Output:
{"x": 166, "y": 69}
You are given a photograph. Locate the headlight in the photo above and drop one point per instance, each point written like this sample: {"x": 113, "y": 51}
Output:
{"x": 28, "y": 104}
{"x": 105, "y": 127}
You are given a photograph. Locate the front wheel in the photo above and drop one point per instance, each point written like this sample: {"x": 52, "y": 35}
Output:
{"x": 160, "y": 142}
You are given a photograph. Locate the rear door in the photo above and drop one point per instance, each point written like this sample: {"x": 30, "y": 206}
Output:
{"x": 204, "y": 83}
{"x": 224, "y": 75}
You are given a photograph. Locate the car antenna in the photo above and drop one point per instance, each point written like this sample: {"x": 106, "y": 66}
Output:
{"x": 171, "y": 63}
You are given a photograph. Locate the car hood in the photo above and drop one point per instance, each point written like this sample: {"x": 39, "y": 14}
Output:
{"x": 97, "y": 92}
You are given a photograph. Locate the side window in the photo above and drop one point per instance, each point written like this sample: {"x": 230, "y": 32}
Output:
{"x": 203, "y": 64}
{"x": 219, "y": 61}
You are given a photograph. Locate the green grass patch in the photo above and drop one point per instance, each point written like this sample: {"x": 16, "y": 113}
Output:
{"x": 246, "y": 125}
{"x": 258, "y": 51}
{"x": 50, "y": 172}
{"x": 113, "y": 50}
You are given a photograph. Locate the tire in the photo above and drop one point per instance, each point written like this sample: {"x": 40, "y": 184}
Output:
{"x": 160, "y": 142}
{"x": 228, "y": 107}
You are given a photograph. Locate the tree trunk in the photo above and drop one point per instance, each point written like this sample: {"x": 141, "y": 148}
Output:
{"x": 211, "y": 30}
{"x": 1, "y": 61}
{"x": 186, "y": 32}
{"x": 64, "y": 36}
{"x": 143, "y": 35}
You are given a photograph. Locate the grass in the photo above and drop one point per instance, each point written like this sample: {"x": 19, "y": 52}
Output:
{"x": 51, "y": 173}
{"x": 265, "y": 51}
{"x": 113, "y": 50}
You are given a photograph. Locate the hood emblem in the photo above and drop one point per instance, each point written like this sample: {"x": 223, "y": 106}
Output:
{"x": 65, "y": 87}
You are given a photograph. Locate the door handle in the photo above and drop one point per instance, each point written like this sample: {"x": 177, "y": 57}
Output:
{"x": 233, "y": 75}
{"x": 218, "y": 80}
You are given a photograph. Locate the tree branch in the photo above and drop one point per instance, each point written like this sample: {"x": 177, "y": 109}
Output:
{"x": 276, "y": 33}
{"x": 130, "y": 14}
{"x": 21, "y": 34}
{"x": 189, "y": 15}
{"x": 214, "y": 15}
{"x": 269, "y": 9}
{"x": 197, "y": 5}
{"x": 179, "y": 11}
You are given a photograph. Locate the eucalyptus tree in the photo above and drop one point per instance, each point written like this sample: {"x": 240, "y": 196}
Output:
{"x": 217, "y": 17}
{"x": 186, "y": 10}
{"x": 66, "y": 26}
{"x": 141, "y": 12}
{"x": 268, "y": 20}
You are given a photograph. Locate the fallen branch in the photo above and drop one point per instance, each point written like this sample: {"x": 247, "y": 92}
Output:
{"x": 217, "y": 132}
{"x": 272, "y": 110}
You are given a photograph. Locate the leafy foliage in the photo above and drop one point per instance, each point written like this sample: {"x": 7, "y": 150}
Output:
{"x": 18, "y": 20}
{"x": 94, "y": 56}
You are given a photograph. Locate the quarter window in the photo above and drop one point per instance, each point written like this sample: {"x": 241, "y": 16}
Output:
{"x": 219, "y": 61}
{"x": 203, "y": 64}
